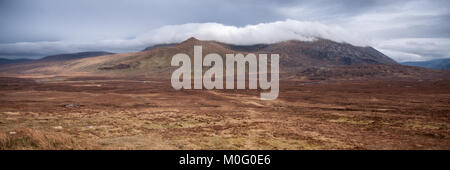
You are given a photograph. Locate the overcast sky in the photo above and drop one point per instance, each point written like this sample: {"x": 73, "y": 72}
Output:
{"x": 409, "y": 30}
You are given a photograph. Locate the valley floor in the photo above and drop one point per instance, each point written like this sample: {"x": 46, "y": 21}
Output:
{"x": 107, "y": 113}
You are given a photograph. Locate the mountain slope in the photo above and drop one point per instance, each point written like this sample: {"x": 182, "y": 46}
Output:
{"x": 318, "y": 53}
{"x": 324, "y": 53}
{"x": 159, "y": 45}
{"x": 442, "y": 64}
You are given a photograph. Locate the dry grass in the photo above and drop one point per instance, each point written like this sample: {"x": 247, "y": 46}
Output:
{"x": 130, "y": 114}
{"x": 26, "y": 139}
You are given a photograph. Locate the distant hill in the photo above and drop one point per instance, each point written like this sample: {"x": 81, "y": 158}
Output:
{"x": 47, "y": 64}
{"x": 58, "y": 57}
{"x": 4, "y": 61}
{"x": 441, "y": 64}
{"x": 73, "y": 56}
{"x": 318, "y": 60}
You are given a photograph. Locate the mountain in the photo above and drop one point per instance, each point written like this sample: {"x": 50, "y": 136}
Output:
{"x": 441, "y": 64}
{"x": 4, "y": 61}
{"x": 320, "y": 59}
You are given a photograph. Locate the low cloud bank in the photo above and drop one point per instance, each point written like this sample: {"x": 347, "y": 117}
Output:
{"x": 399, "y": 49}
